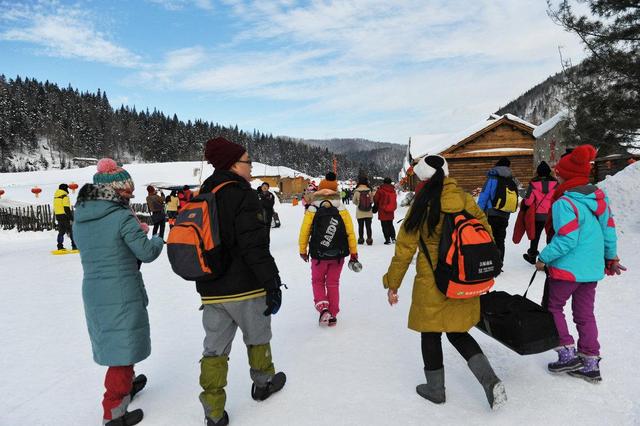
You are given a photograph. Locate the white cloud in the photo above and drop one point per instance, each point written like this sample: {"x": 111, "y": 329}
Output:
{"x": 442, "y": 62}
{"x": 182, "y": 4}
{"x": 64, "y": 32}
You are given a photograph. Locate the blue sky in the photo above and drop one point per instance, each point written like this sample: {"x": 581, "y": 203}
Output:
{"x": 382, "y": 70}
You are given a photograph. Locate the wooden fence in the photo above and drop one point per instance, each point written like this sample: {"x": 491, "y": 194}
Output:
{"x": 41, "y": 217}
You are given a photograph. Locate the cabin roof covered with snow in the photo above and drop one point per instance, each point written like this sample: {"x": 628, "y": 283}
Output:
{"x": 420, "y": 145}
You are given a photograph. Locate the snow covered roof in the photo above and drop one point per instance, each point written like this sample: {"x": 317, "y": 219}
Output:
{"x": 550, "y": 123}
{"x": 477, "y": 151}
{"x": 436, "y": 143}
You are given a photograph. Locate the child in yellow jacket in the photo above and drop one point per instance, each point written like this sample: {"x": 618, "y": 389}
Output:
{"x": 327, "y": 230}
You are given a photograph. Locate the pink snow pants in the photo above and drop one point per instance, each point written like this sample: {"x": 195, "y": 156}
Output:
{"x": 325, "y": 280}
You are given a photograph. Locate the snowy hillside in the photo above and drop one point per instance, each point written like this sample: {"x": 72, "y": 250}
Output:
{"x": 362, "y": 372}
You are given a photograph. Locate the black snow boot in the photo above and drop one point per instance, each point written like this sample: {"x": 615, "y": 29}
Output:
{"x": 130, "y": 418}
{"x": 60, "y": 246}
{"x": 223, "y": 421}
{"x": 493, "y": 387}
{"x": 433, "y": 390}
{"x": 273, "y": 385}
{"x": 138, "y": 384}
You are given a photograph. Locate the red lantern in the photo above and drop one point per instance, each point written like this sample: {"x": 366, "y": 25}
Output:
{"x": 73, "y": 186}
{"x": 1, "y": 192}
{"x": 35, "y": 190}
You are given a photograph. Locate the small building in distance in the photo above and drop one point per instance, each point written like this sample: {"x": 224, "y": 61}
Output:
{"x": 551, "y": 139}
{"x": 472, "y": 152}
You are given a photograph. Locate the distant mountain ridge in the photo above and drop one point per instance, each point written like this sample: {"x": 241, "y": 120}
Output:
{"x": 539, "y": 103}
{"x": 384, "y": 156}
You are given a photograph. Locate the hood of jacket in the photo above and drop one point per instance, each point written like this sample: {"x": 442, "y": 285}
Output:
{"x": 60, "y": 193}
{"x": 503, "y": 171}
{"x": 387, "y": 187}
{"x": 326, "y": 194}
{"x": 590, "y": 196}
{"x": 97, "y": 201}
{"x": 361, "y": 188}
{"x": 452, "y": 199}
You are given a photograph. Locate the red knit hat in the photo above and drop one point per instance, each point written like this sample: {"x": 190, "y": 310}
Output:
{"x": 223, "y": 154}
{"x": 577, "y": 163}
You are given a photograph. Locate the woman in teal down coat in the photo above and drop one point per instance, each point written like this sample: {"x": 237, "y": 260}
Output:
{"x": 112, "y": 242}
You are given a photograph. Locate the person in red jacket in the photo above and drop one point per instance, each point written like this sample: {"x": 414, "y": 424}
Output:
{"x": 539, "y": 196}
{"x": 184, "y": 196}
{"x": 385, "y": 201}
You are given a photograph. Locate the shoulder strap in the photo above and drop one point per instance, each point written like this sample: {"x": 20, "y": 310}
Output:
{"x": 426, "y": 251}
{"x": 222, "y": 185}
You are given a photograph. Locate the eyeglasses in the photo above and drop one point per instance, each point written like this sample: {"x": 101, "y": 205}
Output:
{"x": 244, "y": 161}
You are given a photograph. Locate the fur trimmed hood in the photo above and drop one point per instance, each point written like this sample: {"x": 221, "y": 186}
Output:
{"x": 97, "y": 201}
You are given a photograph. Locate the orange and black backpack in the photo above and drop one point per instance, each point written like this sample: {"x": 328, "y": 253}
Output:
{"x": 468, "y": 259}
{"x": 194, "y": 245}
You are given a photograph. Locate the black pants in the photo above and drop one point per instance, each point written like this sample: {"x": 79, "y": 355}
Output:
{"x": 432, "y": 348}
{"x": 388, "y": 230}
{"x": 64, "y": 227}
{"x": 533, "y": 247}
{"x": 158, "y": 228}
{"x": 499, "y": 227}
{"x": 361, "y": 225}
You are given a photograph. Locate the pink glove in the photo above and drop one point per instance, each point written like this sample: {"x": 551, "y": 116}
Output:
{"x": 304, "y": 256}
{"x": 144, "y": 227}
{"x": 354, "y": 257}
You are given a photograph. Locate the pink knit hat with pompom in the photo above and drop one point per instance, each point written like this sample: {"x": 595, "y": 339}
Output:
{"x": 109, "y": 173}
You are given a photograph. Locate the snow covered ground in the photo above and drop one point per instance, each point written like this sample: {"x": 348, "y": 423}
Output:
{"x": 363, "y": 372}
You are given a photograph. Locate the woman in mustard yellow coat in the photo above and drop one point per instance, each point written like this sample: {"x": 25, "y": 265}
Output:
{"x": 432, "y": 313}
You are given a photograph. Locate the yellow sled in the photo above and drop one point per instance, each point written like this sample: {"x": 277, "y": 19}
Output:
{"x": 64, "y": 251}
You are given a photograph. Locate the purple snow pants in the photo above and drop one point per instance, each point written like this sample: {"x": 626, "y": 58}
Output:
{"x": 582, "y": 303}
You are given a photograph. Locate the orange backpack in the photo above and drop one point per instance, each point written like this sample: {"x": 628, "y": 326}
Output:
{"x": 194, "y": 245}
{"x": 468, "y": 259}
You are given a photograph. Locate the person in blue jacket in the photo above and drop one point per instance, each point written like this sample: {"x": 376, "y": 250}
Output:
{"x": 583, "y": 248}
{"x": 498, "y": 219}
{"x": 112, "y": 242}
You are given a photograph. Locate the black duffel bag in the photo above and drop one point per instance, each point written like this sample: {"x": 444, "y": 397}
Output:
{"x": 517, "y": 322}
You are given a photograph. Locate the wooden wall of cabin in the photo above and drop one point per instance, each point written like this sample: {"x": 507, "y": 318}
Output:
{"x": 471, "y": 173}
{"x": 503, "y": 136}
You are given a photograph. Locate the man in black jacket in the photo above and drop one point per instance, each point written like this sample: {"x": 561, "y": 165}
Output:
{"x": 248, "y": 292}
{"x": 267, "y": 200}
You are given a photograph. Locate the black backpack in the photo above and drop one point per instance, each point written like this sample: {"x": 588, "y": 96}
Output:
{"x": 506, "y": 196}
{"x": 328, "y": 234}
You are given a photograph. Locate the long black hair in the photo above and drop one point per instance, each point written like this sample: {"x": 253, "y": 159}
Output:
{"x": 427, "y": 204}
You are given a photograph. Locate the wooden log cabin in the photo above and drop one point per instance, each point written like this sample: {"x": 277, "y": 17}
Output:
{"x": 473, "y": 152}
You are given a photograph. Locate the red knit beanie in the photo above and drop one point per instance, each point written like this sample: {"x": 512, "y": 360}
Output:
{"x": 223, "y": 154}
{"x": 577, "y": 163}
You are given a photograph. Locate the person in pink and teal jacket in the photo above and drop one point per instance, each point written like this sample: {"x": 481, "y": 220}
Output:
{"x": 582, "y": 249}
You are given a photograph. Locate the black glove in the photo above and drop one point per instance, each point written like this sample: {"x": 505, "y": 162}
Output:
{"x": 274, "y": 297}
{"x": 274, "y": 300}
